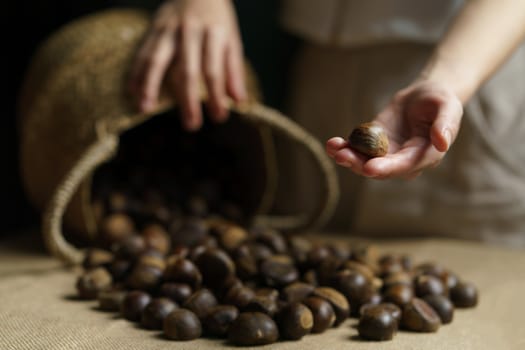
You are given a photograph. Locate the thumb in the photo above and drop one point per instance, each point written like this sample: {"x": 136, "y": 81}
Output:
{"x": 446, "y": 125}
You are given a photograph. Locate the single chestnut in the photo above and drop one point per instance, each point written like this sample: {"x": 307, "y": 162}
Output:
{"x": 273, "y": 240}
{"x": 215, "y": 266}
{"x": 267, "y": 293}
{"x": 299, "y": 248}
{"x": 401, "y": 277}
{"x": 418, "y": 316}
{"x": 429, "y": 285}
{"x": 97, "y": 257}
{"x": 253, "y": 328}
{"x": 155, "y": 312}
{"x": 239, "y": 295}
{"x": 156, "y": 237}
{"x": 182, "y": 324}
{"x": 120, "y": 269}
{"x": 201, "y": 302}
{"x": 327, "y": 269}
{"x": 297, "y": 292}
{"x": 277, "y": 272}
{"x": 93, "y": 282}
{"x": 310, "y": 277}
{"x": 369, "y": 139}
{"x": 230, "y": 236}
{"x": 219, "y": 319}
{"x": 189, "y": 233}
{"x": 399, "y": 294}
{"x": 197, "y": 206}
{"x": 295, "y": 321}
{"x": 442, "y": 306}
{"x": 363, "y": 269}
{"x": 323, "y": 313}
{"x": 392, "y": 308}
{"x": 178, "y": 292}
{"x": 144, "y": 277}
{"x": 464, "y": 295}
{"x": 110, "y": 300}
{"x": 130, "y": 247}
{"x": 355, "y": 287}
{"x": 183, "y": 271}
{"x": 115, "y": 227}
{"x": 133, "y": 305}
{"x": 262, "y": 304}
{"x": 316, "y": 255}
{"x": 338, "y": 301}
{"x": 245, "y": 264}
{"x": 377, "y": 323}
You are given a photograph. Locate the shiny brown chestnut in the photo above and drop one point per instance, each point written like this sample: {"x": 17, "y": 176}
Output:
{"x": 369, "y": 139}
{"x": 253, "y": 328}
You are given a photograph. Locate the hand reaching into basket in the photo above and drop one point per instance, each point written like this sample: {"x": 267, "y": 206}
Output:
{"x": 421, "y": 123}
{"x": 187, "y": 40}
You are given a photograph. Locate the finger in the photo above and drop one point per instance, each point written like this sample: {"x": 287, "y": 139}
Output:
{"x": 403, "y": 164}
{"x": 235, "y": 84}
{"x": 213, "y": 67}
{"x": 335, "y": 144}
{"x": 348, "y": 158}
{"x": 136, "y": 76}
{"x": 153, "y": 60}
{"x": 187, "y": 84}
{"x": 415, "y": 155}
{"x": 446, "y": 125}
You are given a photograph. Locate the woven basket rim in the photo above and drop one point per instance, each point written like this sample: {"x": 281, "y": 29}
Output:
{"x": 107, "y": 143}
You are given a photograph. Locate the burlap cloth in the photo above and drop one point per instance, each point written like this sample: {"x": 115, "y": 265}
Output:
{"x": 38, "y": 310}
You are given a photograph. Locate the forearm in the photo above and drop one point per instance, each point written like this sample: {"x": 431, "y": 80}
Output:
{"x": 479, "y": 40}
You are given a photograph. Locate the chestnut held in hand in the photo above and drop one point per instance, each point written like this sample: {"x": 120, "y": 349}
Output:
{"x": 369, "y": 139}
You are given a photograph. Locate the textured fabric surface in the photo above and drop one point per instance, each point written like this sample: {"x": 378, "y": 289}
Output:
{"x": 477, "y": 192}
{"x": 38, "y": 309}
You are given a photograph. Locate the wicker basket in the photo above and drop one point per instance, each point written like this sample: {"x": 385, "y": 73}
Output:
{"x": 73, "y": 109}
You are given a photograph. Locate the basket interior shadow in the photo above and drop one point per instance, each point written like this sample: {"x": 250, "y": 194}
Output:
{"x": 160, "y": 170}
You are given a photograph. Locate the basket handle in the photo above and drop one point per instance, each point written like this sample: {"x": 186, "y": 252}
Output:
{"x": 261, "y": 114}
{"x": 95, "y": 155}
{"x": 107, "y": 144}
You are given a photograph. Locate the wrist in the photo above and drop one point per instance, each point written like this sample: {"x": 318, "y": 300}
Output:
{"x": 444, "y": 70}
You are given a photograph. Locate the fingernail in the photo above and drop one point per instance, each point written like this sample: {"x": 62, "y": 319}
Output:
{"x": 221, "y": 111}
{"x": 448, "y": 137}
{"x": 146, "y": 105}
{"x": 223, "y": 116}
{"x": 241, "y": 91}
{"x": 191, "y": 125}
{"x": 344, "y": 163}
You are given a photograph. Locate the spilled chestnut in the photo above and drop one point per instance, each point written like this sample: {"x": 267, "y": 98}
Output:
{"x": 193, "y": 272}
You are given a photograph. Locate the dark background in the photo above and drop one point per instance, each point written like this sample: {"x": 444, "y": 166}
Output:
{"x": 27, "y": 23}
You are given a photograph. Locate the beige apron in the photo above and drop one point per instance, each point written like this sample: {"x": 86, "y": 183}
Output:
{"x": 478, "y": 192}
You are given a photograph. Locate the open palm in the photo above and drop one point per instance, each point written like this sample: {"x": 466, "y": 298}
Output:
{"x": 421, "y": 122}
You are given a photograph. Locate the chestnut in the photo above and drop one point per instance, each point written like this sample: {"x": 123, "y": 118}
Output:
{"x": 369, "y": 139}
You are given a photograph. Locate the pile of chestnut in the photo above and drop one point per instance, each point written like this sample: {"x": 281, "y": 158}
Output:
{"x": 191, "y": 272}
{"x": 185, "y": 259}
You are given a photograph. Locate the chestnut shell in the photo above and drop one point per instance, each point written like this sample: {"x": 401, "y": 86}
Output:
{"x": 369, "y": 139}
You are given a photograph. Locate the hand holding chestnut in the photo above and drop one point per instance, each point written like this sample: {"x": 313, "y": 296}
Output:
{"x": 411, "y": 134}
